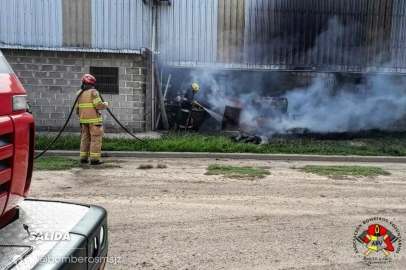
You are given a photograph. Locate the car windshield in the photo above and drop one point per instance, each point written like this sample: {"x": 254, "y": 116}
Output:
{"x": 4, "y": 66}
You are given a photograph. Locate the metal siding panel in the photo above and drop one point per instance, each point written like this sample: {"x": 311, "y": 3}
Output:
{"x": 120, "y": 24}
{"x": 187, "y": 31}
{"x": 398, "y": 34}
{"x": 32, "y": 23}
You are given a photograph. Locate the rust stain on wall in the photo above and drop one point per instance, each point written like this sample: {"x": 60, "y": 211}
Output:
{"x": 230, "y": 31}
{"x": 77, "y": 23}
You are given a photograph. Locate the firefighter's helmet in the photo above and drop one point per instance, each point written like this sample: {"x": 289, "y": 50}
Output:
{"x": 195, "y": 87}
{"x": 88, "y": 79}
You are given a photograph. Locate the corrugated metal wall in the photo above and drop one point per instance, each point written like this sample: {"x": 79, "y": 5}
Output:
{"x": 300, "y": 34}
{"x": 306, "y": 32}
{"x": 230, "y": 31}
{"x": 77, "y": 23}
{"x": 31, "y": 22}
{"x": 398, "y": 34}
{"x": 120, "y": 24}
{"x": 330, "y": 34}
{"x": 187, "y": 31}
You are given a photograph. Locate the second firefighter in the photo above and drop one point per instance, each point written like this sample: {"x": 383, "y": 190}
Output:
{"x": 186, "y": 121}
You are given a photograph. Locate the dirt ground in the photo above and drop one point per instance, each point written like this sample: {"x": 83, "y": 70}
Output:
{"x": 180, "y": 218}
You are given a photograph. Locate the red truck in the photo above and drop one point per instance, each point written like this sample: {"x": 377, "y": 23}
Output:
{"x": 39, "y": 234}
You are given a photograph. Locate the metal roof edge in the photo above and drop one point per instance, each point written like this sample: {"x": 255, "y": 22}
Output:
{"x": 69, "y": 49}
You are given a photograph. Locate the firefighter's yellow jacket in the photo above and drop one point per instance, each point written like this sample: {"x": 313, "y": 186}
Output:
{"x": 88, "y": 106}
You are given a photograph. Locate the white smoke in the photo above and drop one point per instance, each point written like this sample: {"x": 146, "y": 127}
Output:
{"x": 378, "y": 102}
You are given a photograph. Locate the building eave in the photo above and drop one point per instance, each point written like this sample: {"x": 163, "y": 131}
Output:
{"x": 69, "y": 49}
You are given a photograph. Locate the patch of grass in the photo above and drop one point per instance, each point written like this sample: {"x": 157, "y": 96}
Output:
{"x": 344, "y": 171}
{"x": 65, "y": 163}
{"x": 145, "y": 166}
{"x": 237, "y": 172}
{"x": 369, "y": 144}
{"x": 161, "y": 166}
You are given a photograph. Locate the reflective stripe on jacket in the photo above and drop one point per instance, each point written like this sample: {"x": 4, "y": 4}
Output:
{"x": 88, "y": 105}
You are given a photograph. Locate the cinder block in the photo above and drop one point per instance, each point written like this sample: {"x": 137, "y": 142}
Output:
{"x": 48, "y": 54}
{"x": 76, "y": 69}
{"x": 49, "y": 122}
{"x": 54, "y": 75}
{"x": 25, "y": 74}
{"x": 124, "y": 117}
{"x": 33, "y": 53}
{"x": 35, "y": 109}
{"x": 33, "y": 95}
{"x": 47, "y": 68}
{"x": 17, "y": 67}
{"x": 118, "y": 98}
{"x": 135, "y": 85}
{"x": 126, "y": 91}
{"x": 32, "y": 81}
{"x": 119, "y": 63}
{"x": 47, "y": 109}
{"x": 41, "y": 60}
{"x": 54, "y": 88}
{"x": 62, "y": 96}
{"x": 106, "y": 63}
{"x": 135, "y": 57}
{"x": 132, "y": 98}
{"x": 57, "y": 116}
{"x": 138, "y": 104}
{"x": 138, "y": 92}
{"x": 68, "y": 75}
{"x": 48, "y": 95}
{"x": 134, "y": 124}
{"x": 26, "y": 60}
{"x": 61, "y": 82}
{"x": 64, "y": 110}
{"x": 138, "y": 78}
{"x": 42, "y": 116}
{"x": 59, "y": 123}
{"x": 139, "y": 64}
{"x": 40, "y": 74}
{"x": 125, "y": 77}
{"x": 119, "y": 56}
{"x": 32, "y": 67}
{"x": 71, "y": 89}
{"x": 47, "y": 82}
{"x": 118, "y": 111}
{"x": 41, "y": 88}
{"x": 125, "y": 104}
{"x": 79, "y": 62}
{"x": 55, "y": 61}
{"x": 63, "y": 54}
{"x": 61, "y": 68}
{"x": 57, "y": 103}
{"x": 121, "y": 70}
{"x": 137, "y": 117}
{"x": 132, "y": 71}
{"x": 38, "y": 122}
{"x": 15, "y": 52}
{"x": 69, "y": 62}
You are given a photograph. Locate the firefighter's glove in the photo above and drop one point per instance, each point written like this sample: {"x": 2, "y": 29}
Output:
{"x": 106, "y": 103}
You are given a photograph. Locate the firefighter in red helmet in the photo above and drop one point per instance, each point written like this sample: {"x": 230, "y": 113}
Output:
{"x": 87, "y": 109}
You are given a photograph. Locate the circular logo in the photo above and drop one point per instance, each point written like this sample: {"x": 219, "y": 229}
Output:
{"x": 377, "y": 240}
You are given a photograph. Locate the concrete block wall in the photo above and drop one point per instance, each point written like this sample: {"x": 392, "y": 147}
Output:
{"x": 51, "y": 80}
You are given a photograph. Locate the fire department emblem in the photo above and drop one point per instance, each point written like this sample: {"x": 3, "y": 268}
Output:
{"x": 377, "y": 236}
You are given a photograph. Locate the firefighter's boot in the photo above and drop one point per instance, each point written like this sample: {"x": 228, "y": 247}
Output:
{"x": 96, "y": 162}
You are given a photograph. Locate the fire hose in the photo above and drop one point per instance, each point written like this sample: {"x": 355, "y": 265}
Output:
{"x": 67, "y": 121}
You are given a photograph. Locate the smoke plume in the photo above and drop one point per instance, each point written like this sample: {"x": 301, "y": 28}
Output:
{"x": 377, "y": 101}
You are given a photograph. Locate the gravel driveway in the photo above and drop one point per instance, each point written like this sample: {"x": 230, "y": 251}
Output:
{"x": 180, "y": 218}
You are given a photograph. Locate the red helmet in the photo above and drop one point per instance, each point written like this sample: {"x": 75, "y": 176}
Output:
{"x": 88, "y": 79}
